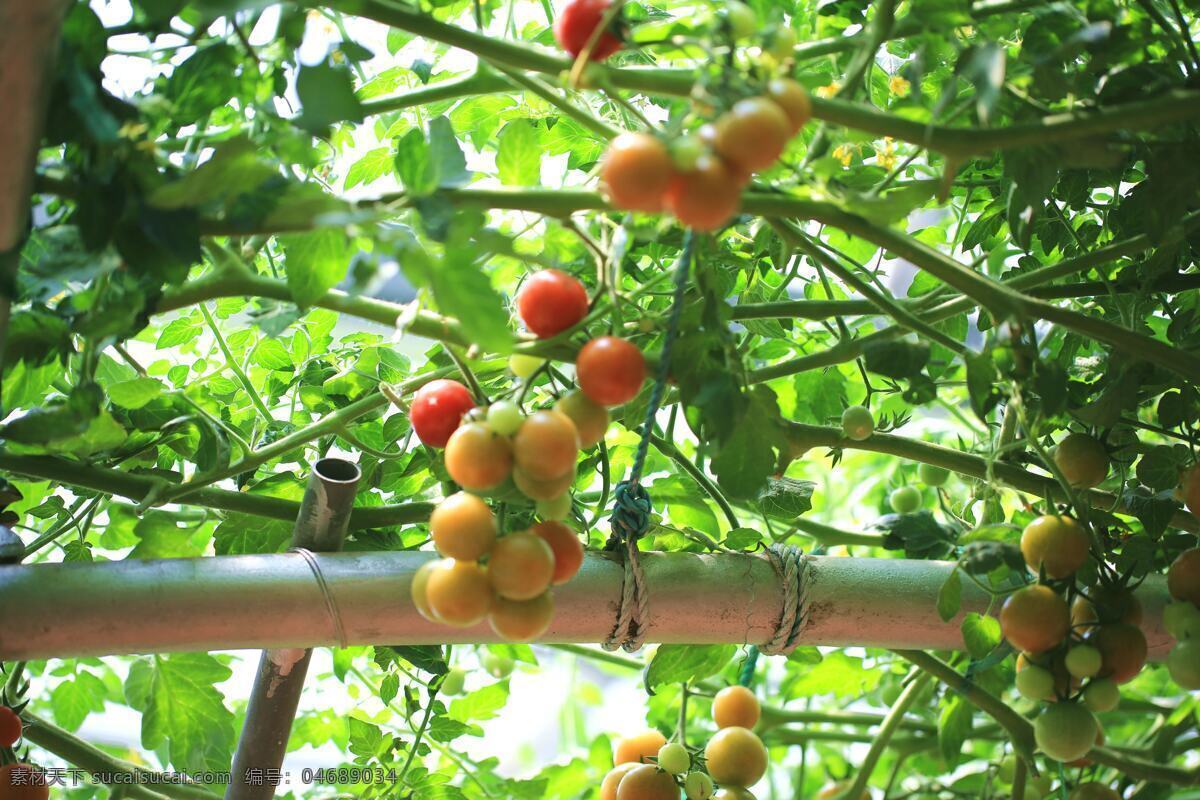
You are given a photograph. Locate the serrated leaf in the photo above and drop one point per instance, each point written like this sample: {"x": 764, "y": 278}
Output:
{"x": 182, "y": 709}
{"x": 481, "y": 704}
{"x": 676, "y": 663}
{"x": 135, "y": 393}
{"x": 519, "y": 154}
{"x": 949, "y": 599}
{"x": 954, "y": 726}
{"x": 316, "y": 262}
{"x": 981, "y": 634}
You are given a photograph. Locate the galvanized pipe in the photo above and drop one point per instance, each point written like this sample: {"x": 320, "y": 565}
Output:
{"x": 320, "y": 526}
{"x": 272, "y": 601}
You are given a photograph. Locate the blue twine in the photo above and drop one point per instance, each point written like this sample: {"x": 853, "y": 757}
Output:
{"x": 746, "y": 674}
{"x": 632, "y": 506}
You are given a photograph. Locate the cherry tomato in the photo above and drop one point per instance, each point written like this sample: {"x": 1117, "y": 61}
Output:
{"x": 753, "y": 133}
{"x": 574, "y": 26}
{"x": 1065, "y": 731}
{"x": 1094, "y": 791}
{"x": 524, "y": 366}
{"x": 522, "y": 620}
{"x": 706, "y": 197}
{"x": 419, "y": 593}
{"x": 454, "y": 681}
{"x": 608, "y": 787}
{"x": 697, "y": 786}
{"x": 1123, "y": 650}
{"x": 567, "y": 549}
{"x": 550, "y": 301}
{"x": 1101, "y": 695}
{"x": 459, "y": 593}
{"x": 478, "y": 458}
{"x": 1191, "y": 490}
{"x": 636, "y": 171}
{"x": 1054, "y": 664}
{"x": 546, "y": 446}
{"x": 857, "y": 423}
{"x": 647, "y": 782}
{"x": 23, "y": 782}
{"x": 793, "y": 99}
{"x": 741, "y": 19}
{"x": 1182, "y": 620}
{"x": 1035, "y": 619}
{"x": 905, "y": 500}
{"x": 1084, "y": 661}
{"x": 933, "y": 476}
{"x": 1183, "y": 577}
{"x": 1106, "y": 603}
{"x": 611, "y": 371}
{"x": 1056, "y": 544}
{"x": 463, "y": 527}
{"x": 1183, "y": 662}
{"x": 591, "y": 419}
{"x": 673, "y": 758}
{"x": 504, "y": 417}
{"x": 736, "y": 757}
{"x": 781, "y": 43}
{"x": 521, "y": 566}
{"x": 735, "y": 707}
{"x": 497, "y": 665}
{"x": 556, "y": 509}
{"x": 542, "y": 490}
{"x": 1035, "y": 683}
{"x": 638, "y": 749}
{"x": 1082, "y": 460}
{"x": 436, "y": 410}
{"x": 10, "y": 727}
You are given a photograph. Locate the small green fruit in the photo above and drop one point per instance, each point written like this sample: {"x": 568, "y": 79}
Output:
{"x": 1102, "y": 695}
{"x": 673, "y": 758}
{"x": 556, "y": 509}
{"x": 523, "y": 366}
{"x": 905, "y": 500}
{"x": 1182, "y": 620}
{"x": 505, "y": 417}
{"x": 1183, "y": 663}
{"x": 857, "y": 423}
{"x": 933, "y": 476}
{"x": 1083, "y": 661}
{"x": 454, "y": 681}
{"x": 1035, "y": 683}
{"x": 698, "y": 786}
{"x": 496, "y": 665}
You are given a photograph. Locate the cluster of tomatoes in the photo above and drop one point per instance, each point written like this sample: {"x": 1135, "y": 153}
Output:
{"x": 1182, "y": 619}
{"x": 18, "y": 781}
{"x": 700, "y": 178}
{"x": 1072, "y": 656}
{"x": 505, "y": 578}
{"x": 648, "y": 767}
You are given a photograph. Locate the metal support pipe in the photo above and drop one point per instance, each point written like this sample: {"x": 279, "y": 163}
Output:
{"x": 273, "y": 601}
{"x": 320, "y": 527}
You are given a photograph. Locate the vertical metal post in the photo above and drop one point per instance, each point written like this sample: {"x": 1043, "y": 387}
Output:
{"x": 320, "y": 527}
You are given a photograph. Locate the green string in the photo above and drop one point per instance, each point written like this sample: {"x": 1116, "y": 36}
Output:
{"x": 632, "y": 506}
{"x": 746, "y": 673}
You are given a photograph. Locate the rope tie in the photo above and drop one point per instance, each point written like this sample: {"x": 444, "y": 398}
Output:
{"x": 632, "y": 506}
{"x": 331, "y": 606}
{"x": 791, "y": 565}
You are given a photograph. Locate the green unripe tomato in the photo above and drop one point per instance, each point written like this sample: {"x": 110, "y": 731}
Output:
{"x": 742, "y": 21}
{"x": 933, "y": 476}
{"x": 1102, "y": 695}
{"x": 504, "y": 417}
{"x": 1065, "y": 731}
{"x": 1035, "y": 683}
{"x": 857, "y": 423}
{"x": 781, "y": 43}
{"x": 1041, "y": 784}
{"x": 1183, "y": 663}
{"x": 698, "y": 786}
{"x": 1007, "y": 770}
{"x": 673, "y": 758}
{"x": 1083, "y": 661}
{"x": 905, "y": 500}
{"x": 454, "y": 680}
{"x": 1182, "y": 620}
{"x": 687, "y": 151}
{"x": 523, "y": 366}
{"x": 496, "y": 665}
{"x": 555, "y": 510}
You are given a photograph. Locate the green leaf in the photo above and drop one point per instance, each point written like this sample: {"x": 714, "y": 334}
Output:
{"x": 425, "y": 657}
{"x": 949, "y": 598}
{"x": 315, "y": 263}
{"x": 896, "y": 358}
{"x": 446, "y": 155}
{"x": 327, "y": 96}
{"x": 182, "y": 710}
{"x": 271, "y": 354}
{"x": 981, "y": 383}
{"x": 748, "y": 457}
{"x": 519, "y": 154}
{"x": 73, "y": 700}
{"x": 676, "y": 663}
{"x": 742, "y": 539}
{"x": 134, "y": 393}
{"x": 786, "y": 498}
{"x": 161, "y": 536}
{"x": 481, "y": 704}
{"x": 981, "y": 634}
{"x": 954, "y": 726}
{"x": 371, "y": 167}
{"x": 178, "y": 331}
{"x": 233, "y": 169}
{"x": 1159, "y": 468}
{"x": 414, "y": 164}
{"x": 366, "y": 740}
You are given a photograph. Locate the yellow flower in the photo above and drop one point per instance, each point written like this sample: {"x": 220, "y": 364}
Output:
{"x": 828, "y": 91}
{"x": 132, "y": 130}
{"x": 844, "y": 153}
{"x": 885, "y": 156}
{"x": 899, "y": 86}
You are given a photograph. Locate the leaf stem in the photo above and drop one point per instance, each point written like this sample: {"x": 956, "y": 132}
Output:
{"x": 233, "y": 365}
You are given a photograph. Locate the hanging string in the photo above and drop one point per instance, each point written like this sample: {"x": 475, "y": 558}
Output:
{"x": 632, "y": 506}
{"x": 791, "y": 565}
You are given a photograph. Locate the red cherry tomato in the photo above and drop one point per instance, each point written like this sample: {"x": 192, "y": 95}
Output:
{"x": 610, "y": 370}
{"x": 708, "y": 196}
{"x": 10, "y": 727}
{"x": 550, "y": 302}
{"x": 574, "y": 26}
{"x": 436, "y": 410}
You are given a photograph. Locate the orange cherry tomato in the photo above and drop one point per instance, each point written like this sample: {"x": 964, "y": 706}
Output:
{"x": 638, "y": 749}
{"x": 1035, "y": 619}
{"x": 478, "y": 458}
{"x": 1057, "y": 544}
{"x": 735, "y": 707}
{"x": 610, "y": 370}
{"x": 521, "y": 566}
{"x": 1183, "y": 577}
{"x": 707, "y": 197}
{"x": 636, "y": 171}
{"x": 459, "y": 593}
{"x": 463, "y": 527}
{"x": 793, "y": 99}
{"x": 567, "y": 549}
{"x": 753, "y": 133}
{"x": 522, "y": 620}
{"x": 550, "y": 302}
{"x": 546, "y": 446}
{"x": 590, "y": 418}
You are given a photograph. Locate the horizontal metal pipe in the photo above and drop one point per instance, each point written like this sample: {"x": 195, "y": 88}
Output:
{"x": 274, "y": 601}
